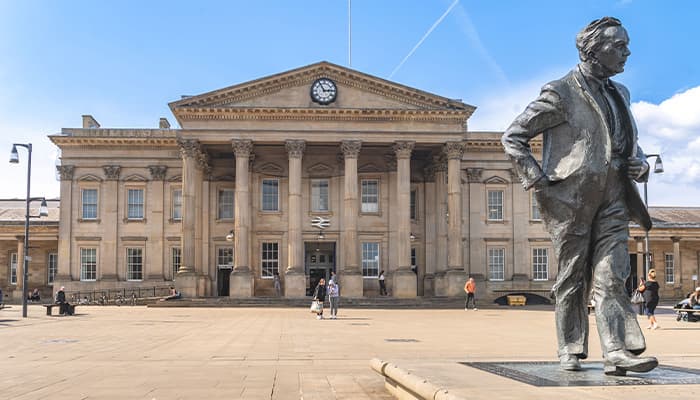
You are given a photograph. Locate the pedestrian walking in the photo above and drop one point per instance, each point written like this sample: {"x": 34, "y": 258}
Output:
{"x": 320, "y": 295}
{"x": 333, "y": 298}
{"x": 650, "y": 290}
{"x": 382, "y": 284}
{"x": 277, "y": 284}
{"x": 470, "y": 289}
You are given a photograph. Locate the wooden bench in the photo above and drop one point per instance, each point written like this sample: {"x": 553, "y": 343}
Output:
{"x": 49, "y": 308}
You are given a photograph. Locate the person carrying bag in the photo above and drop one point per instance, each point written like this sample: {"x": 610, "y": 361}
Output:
{"x": 319, "y": 295}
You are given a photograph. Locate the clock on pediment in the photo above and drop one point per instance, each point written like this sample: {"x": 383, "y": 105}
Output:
{"x": 324, "y": 91}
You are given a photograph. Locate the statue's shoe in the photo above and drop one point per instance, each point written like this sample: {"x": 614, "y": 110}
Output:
{"x": 569, "y": 362}
{"x": 618, "y": 362}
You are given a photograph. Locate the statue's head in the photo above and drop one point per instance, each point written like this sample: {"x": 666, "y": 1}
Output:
{"x": 603, "y": 45}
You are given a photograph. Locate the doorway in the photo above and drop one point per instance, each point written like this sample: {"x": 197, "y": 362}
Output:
{"x": 319, "y": 260}
{"x": 222, "y": 279}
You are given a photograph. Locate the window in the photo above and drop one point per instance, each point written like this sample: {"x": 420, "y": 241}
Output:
{"x": 134, "y": 203}
{"x": 370, "y": 195}
{"x": 177, "y": 205}
{"x": 414, "y": 259}
{"x": 540, "y": 263}
{"x": 535, "y": 209}
{"x": 224, "y": 257}
{"x": 413, "y": 210}
{"x": 370, "y": 259}
{"x": 175, "y": 259}
{"x": 88, "y": 264}
{"x": 669, "y": 270}
{"x": 270, "y": 259}
{"x": 270, "y": 194}
{"x": 226, "y": 197}
{"x": 89, "y": 200}
{"x": 52, "y": 267}
{"x": 134, "y": 264}
{"x": 13, "y": 269}
{"x": 497, "y": 263}
{"x": 495, "y": 205}
{"x": 319, "y": 195}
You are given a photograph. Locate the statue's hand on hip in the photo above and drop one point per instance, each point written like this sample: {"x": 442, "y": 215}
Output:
{"x": 636, "y": 167}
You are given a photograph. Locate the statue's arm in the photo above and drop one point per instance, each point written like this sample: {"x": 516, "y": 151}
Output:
{"x": 637, "y": 167}
{"x": 542, "y": 114}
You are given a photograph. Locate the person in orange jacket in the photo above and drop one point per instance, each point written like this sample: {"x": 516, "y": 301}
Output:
{"x": 470, "y": 289}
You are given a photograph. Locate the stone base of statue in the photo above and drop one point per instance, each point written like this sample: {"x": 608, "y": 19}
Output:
{"x": 294, "y": 284}
{"x": 351, "y": 284}
{"x": 241, "y": 284}
{"x": 187, "y": 284}
{"x": 455, "y": 280}
{"x": 405, "y": 284}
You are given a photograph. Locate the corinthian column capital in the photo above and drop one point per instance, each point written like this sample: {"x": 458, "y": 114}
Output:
{"x": 189, "y": 148}
{"x": 351, "y": 148}
{"x": 295, "y": 148}
{"x": 454, "y": 150}
{"x": 66, "y": 172}
{"x": 112, "y": 172}
{"x": 403, "y": 148}
{"x": 158, "y": 172}
{"x": 242, "y": 147}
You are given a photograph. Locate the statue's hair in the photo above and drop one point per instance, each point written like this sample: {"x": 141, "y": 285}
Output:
{"x": 588, "y": 40}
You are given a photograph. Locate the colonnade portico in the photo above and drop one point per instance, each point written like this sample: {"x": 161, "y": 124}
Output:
{"x": 192, "y": 275}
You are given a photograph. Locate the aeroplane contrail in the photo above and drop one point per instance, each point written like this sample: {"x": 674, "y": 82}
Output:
{"x": 413, "y": 50}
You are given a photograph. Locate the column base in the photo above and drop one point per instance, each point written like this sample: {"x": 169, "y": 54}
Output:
{"x": 187, "y": 284}
{"x": 455, "y": 280}
{"x": 351, "y": 285}
{"x": 428, "y": 285}
{"x": 241, "y": 284}
{"x": 294, "y": 284}
{"x": 405, "y": 284}
{"x": 440, "y": 284}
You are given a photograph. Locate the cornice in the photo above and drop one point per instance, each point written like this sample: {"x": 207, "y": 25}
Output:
{"x": 111, "y": 141}
{"x": 489, "y": 145}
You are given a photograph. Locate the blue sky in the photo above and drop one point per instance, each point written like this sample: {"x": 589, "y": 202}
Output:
{"x": 124, "y": 61}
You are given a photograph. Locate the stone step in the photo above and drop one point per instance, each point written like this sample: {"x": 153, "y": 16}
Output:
{"x": 369, "y": 302}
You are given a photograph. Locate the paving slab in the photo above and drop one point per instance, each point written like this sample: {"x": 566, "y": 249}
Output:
{"x": 109, "y": 352}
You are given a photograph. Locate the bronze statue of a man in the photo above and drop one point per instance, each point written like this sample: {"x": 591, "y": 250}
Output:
{"x": 587, "y": 196}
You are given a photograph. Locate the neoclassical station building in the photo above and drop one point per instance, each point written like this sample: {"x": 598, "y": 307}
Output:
{"x": 315, "y": 170}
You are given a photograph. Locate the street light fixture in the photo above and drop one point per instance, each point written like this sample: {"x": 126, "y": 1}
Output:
{"x": 658, "y": 169}
{"x": 43, "y": 212}
{"x": 229, "y": 237}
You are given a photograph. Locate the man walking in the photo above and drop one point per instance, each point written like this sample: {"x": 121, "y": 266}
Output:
{"x": 586, "y": 192}
{"x": 470, "y": 289}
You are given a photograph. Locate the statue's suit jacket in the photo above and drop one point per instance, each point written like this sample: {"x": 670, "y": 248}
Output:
{"x": 577, "y": 145}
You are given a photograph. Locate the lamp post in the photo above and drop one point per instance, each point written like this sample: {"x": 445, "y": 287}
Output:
{"x": 43, "y": 212}
{"x": 658, "y": 168}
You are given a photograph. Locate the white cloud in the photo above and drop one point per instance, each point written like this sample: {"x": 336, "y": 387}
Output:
{"x": 674, "y": 118}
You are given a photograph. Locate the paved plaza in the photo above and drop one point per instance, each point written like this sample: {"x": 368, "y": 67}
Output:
{"x": 108, "y": 352}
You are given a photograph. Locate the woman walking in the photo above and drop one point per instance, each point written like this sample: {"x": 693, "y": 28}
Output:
{"x": 333, "y": 298}
{"x": 382, "y": 284}
{"x": 320, "y": 295}
{"x": 650, "y": 290}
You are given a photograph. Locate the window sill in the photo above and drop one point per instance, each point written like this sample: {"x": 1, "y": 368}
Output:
{"x": 224, "y": 220}
{"x": 175, "y": 221}
{"x": 89, "y": 220}
{"x": 497, "y": 221}
{"x": 371, "y": 213}
{"x": 134, "y": 220}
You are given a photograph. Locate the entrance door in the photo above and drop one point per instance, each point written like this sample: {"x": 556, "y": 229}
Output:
{"x": 223, "y": 277}
{"x": 320, "y": 261}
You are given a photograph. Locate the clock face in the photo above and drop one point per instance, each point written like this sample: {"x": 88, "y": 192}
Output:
{"x": 323, "y": 91}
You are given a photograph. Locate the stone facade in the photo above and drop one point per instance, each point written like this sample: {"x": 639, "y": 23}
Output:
{"x": 404, "y": 185}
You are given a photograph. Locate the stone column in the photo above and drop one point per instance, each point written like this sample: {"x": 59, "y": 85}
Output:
{"x": 201, "y": 171}
{"x": 455, "y": 276}
{"x": 351, "y": 272}
{"x": 19, "y": 288}
{"x": 155, "y": 267}
{"x": 241, "y": 284}
{"x": 186, "y": 280}
{"x": 478, "y": 267}
{"x": 63, "y": 275}
{"x": 109, "y": 197}
{"x": 639, "y": 241}
{"x": 405, "y": 284}
{"x": 441, "y": 215}
{"x": 430, "y": 226}
{"x": 677, "y": 265}
{"x": 295, "y": 277}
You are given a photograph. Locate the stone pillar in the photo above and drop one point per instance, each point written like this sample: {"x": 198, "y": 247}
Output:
{"x": 351, "y": 272}
{"x": 186, "y": 280}
{"x": 478, "y": 267}
{"x": 155, "y": 267}
{"x": 441, "y": 215}
{"x": 109, "y": 197}
{"x": 430, "y": 226}
{"x": 677, "y": 265}
{"x": 639, "y": 241}
{"x": 19, "y": 288}
{"x": 241, "y": 284}
{"x": 201, "y": 171}
{"x": 295, "y": 276}
{"x": 63, "y": 275}
{"x": 456, "y": 277}
{"x": 405, "y": 284}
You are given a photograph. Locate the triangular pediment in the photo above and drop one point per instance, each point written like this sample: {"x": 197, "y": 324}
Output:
{"x": 270, "y": 168}
{"x": 496, "y": 180}
{"x": 369, "y": 167}
{"x": 292, "y": 90}
{"x": 135, "y": 178}
{"x": 319, "y": 169}
{"x": 90, "y": 178}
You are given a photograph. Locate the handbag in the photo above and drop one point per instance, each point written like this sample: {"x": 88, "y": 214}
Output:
{"x": 637, "y": 297}
{"x": 316, "y": 306}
